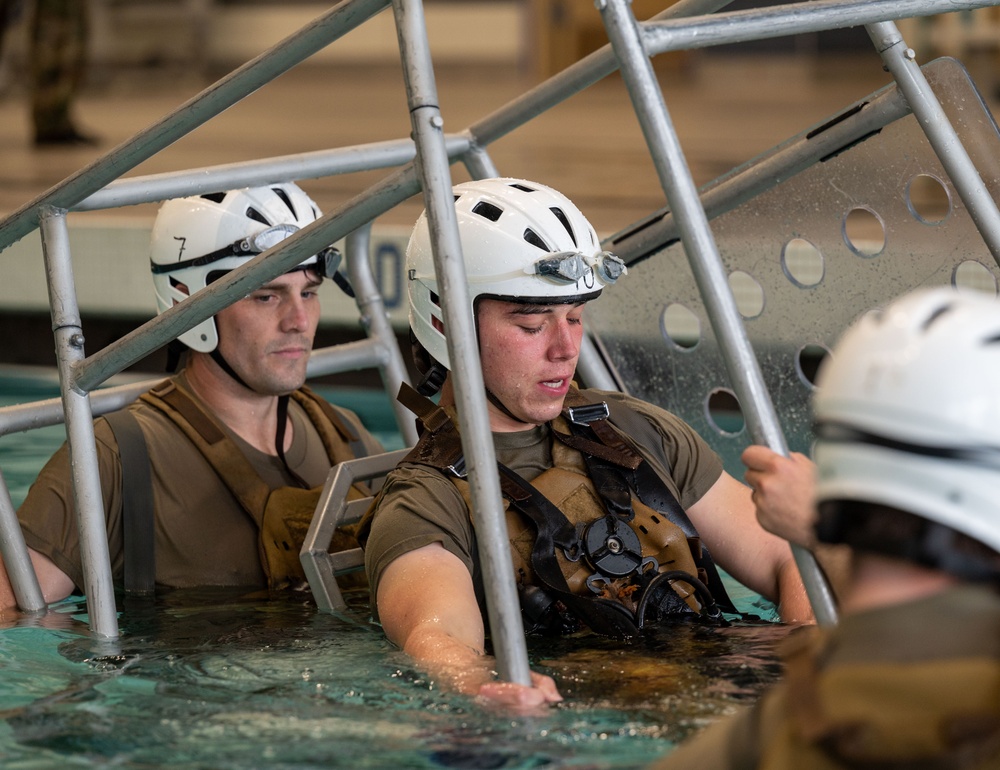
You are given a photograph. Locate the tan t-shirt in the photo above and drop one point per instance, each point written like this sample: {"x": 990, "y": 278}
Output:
{"x": 421, "y": 506}
{"x": 203, "y": 536}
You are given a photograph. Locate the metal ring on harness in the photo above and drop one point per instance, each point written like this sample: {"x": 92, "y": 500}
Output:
{"x": 612, "y": 546}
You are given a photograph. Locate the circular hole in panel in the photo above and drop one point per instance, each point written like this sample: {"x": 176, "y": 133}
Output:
{"x": 928, "y": 199}
{"x": 680, "y": 326}
{"x": 724, "y": 412}
{"x": 975, "y": 276}
{"x": 748, "y": 293}
{"x": 864, "y": 232}
{"x": 807, "y": 362}
{"x": 802, "y": 262}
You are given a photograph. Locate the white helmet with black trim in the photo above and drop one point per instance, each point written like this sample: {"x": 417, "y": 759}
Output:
{"x": 197, "y": 239}
{"x": 908, "y": 412}
{"x": 521, "y": 241}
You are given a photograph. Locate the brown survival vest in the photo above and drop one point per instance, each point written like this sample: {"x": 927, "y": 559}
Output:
{"x": 282, "y": 515}
{"x": 939, "y": 713}
{"x": 598, "y": 538}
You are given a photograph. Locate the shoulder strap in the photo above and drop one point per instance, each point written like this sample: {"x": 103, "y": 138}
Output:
{"x": 138, "y": 518}
{"x": 318, "y": 408}
{"x": 218, "y": 449}
{"x": 613, "y": 477}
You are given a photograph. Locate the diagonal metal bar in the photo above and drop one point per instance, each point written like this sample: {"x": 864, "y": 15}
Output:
{"x": 729, "y": 27}
{"x": 703, "y": 256}
{"x": 213, "y": 100}
{"x": 900, "y": 61}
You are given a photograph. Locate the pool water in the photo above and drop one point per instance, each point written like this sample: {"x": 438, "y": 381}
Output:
{"x": 217, "y": 679}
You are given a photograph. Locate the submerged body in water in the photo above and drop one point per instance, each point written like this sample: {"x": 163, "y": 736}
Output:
{"x": 212, "y": 679}
{"x": 217, "y": 678}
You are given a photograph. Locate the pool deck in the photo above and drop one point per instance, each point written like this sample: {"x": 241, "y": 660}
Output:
{"x": 726, "y": 110}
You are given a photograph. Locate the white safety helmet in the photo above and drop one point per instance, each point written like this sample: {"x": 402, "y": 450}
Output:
{"x": 194, "y": 238}
{"x": 521, "y": 241}
{"x": 908, "y": 412}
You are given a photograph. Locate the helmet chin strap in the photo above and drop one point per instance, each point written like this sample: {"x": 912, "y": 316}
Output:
{"x": 500, "y": 405}
{"x": 224, "y": 365}
{"x": 282, "y": 417}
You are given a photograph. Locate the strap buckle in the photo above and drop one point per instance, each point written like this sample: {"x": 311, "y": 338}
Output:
{"x": 458, "y": 469}
{"x": 588, "y": 413}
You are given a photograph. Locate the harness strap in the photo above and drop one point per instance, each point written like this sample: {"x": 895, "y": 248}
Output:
{"x": 614, "y": 477}
{"x": 138, "y": 520}
{"x": 555, "y": 530}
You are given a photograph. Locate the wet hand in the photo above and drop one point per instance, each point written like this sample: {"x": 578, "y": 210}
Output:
{"x": 784, "y": 490}
{"x": 521, "y": 698}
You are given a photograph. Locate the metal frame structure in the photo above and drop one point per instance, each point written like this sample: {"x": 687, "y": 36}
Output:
{"x": 423, "y": 164}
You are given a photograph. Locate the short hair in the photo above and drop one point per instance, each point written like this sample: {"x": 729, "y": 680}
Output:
{"x": 875, "y": 528}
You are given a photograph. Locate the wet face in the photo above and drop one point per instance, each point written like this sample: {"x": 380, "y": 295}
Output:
{"x": 267, "y": 336}
{"x": 529, "y": 355}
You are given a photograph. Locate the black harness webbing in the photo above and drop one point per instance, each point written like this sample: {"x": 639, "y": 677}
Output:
{"x": 138, "y": 521}
{"x": 615, "y": 468}
{"x": 602, "y": 615}
{"x": 614, "y": 481}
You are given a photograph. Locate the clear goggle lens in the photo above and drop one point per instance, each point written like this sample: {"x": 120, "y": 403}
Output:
{"x": 327, "y": 261}
{"x": 266, "y": 239}
{"x": 571, "y": 266}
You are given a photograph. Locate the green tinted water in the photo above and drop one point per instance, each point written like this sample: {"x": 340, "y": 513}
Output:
{"x": 211, "y": 679}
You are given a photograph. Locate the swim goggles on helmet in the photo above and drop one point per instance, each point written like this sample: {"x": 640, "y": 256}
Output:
{"x": 326, "y": 262}
{"x": 572, "y": 266}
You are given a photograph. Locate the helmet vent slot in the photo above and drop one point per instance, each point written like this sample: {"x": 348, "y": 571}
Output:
{"x": 532, "y": 237}
{"x": 217, "y": 197}
{"x": 255, "y": 215}
{"x": 286, "y": 200}
{"x": 941, "y": 311}
{"x": 435, "y": 299}
{"x": 561, "y": 216}
{"x": 487, "y": 210}
{"x": 523, "y": 188}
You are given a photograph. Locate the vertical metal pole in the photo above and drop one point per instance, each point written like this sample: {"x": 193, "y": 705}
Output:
{"x": 376, "y": 323}
{"x": 87, "y": 497}
{"x": 506, "y": 628}
{"x": 702, "y": 252}
{"x": 16, "y": 560}
{"x": 900, "y": 61}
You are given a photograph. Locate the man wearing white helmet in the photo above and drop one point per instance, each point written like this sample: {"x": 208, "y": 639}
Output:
{"x": 908, "y": 476}
{"x": 209, "y": 476}
{"x": 608, "y": 497}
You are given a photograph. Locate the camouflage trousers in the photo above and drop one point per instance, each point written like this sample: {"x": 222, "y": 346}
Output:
{"x": 58, "y": 53}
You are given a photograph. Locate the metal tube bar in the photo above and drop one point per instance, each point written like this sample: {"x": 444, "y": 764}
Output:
{"x": 223, "y": 94}
{"x": 346, "y": 357}
{"x": 479, "y": 164}
{"x": 710, "y": 275}
{"x": 503, "y": 605}
{"x": 87, "y": 497}
{"x": 375, "y": 321}
{"x": 16, "y": 559}
{"x": 662, "y": 36}
{"x": 687, "y": 8}
{"x": 786, "y": 20}
{"x": 644, "y": 239}
{"x": 156, "y": 332}
{"x": 309, "y": 165}
{"x": 591, "y": 367}
{"x": 40, "y": 414}
{"x": 899, "y": 60}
